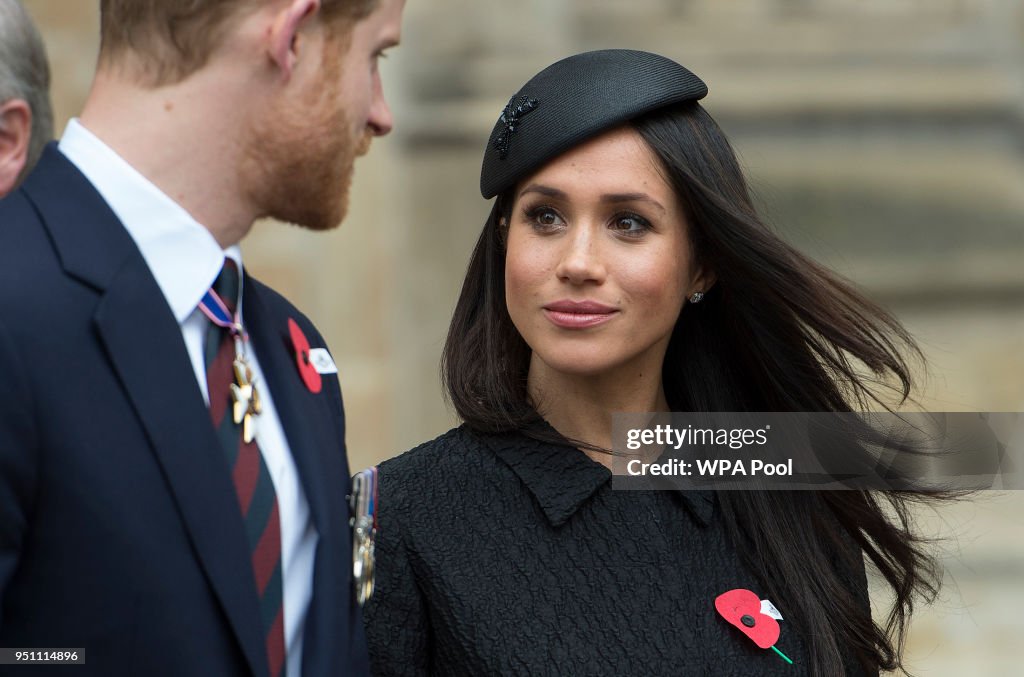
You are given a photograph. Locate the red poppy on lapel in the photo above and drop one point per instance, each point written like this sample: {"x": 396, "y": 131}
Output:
{"x": 307, "y": 371}
{"x": 742, "y": 608}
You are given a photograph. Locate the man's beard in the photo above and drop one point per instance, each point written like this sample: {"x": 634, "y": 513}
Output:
{"x": 300, "y": 160}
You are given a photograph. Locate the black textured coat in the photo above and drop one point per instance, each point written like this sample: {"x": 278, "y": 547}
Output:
{"x": 501, "y": 555}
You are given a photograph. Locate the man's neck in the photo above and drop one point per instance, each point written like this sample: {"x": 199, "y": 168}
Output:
{"x": 185, "y": 139}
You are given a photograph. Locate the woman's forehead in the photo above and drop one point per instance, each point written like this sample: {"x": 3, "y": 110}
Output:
{"x": 617, "y": 162}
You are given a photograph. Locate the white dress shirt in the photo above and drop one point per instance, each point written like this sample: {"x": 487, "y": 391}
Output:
{"x": 185, "y": 260}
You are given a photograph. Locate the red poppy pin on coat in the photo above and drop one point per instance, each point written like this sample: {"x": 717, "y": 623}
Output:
{"x": 307, "y": 370}
{"x": 743, "y": 609}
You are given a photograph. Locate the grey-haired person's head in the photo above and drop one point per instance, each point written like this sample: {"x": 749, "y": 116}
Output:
{"x": 25, "y": 75}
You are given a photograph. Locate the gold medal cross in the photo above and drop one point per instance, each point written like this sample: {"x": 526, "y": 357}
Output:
{"x": 245, "y": 398}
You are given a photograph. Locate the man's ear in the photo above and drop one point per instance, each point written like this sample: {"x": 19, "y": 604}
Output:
{"x": 15, "y": 131}
{"x": 284, "y": 33}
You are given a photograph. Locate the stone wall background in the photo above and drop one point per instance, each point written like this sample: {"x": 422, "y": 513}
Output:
{"x": 884, "y": 136}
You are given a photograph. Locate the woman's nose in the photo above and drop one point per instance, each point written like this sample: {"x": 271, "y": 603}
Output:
{"x": 581, "y": 260}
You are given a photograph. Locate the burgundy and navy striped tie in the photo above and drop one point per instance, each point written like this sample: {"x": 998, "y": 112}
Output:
{"x": 255, "y": 488}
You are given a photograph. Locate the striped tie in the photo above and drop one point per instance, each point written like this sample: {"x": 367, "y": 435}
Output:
{"x": 255, "y": 488}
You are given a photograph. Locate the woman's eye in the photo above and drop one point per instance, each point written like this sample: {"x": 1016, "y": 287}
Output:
{"x": 545, "y": 217}
{"x": 631, "y": 224}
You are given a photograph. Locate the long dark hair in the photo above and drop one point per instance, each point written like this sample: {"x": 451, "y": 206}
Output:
{"x": 777, "y": 332}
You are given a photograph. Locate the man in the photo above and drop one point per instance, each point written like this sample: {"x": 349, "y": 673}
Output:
{"x": 26, "y": 120}
{"x": 172, "y": 463}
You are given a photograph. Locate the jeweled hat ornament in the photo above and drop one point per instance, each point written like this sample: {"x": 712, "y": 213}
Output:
{"x": 575, "y": 99}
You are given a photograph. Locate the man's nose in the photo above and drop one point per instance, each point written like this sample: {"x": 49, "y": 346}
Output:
{"x": 380, "y": 119}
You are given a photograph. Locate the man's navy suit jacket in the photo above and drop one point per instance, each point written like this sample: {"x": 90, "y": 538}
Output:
{"x": 119, "y": 525}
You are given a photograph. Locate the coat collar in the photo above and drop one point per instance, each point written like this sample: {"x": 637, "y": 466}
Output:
{"x": 562, "y": 478}
{"x": 91, "y": 243}
{"x": 181, "y": 253}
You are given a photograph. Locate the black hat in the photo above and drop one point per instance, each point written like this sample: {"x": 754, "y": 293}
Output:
{"x": 575, "y": 99}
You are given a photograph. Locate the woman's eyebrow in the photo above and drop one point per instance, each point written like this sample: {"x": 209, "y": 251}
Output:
{"x": 546, "y": 191}
{"x": 632, "y": 197}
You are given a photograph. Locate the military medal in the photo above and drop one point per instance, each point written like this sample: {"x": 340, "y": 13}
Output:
{"x": 245, "y": 397}
{"x": 363, "y": 506}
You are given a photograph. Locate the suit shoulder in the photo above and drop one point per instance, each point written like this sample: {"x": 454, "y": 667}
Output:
{"x": 444, "y": 452}
{"x": 16, "y": 207}
{"x": 274, "y": 299}
{"x": 436, "y": 466}
{"x": 21, "y": 230}
{"x": 30, "y": 271}
{"x": 280, "y": 306}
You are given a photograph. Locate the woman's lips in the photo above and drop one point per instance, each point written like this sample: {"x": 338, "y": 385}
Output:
{"x": 578, "y": 314}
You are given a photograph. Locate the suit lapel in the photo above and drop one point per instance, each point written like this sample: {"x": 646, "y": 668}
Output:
{"x": 145, "y": 346}
{"x": 294, "y": 404}
{"x": 312, "y": 426}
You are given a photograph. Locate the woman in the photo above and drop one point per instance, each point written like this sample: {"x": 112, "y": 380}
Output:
{"x": 623, "y": 268}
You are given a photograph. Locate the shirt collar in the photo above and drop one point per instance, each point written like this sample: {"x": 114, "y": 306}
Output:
{"x": 183, "y": 255}
{"x": 562, "y": 478}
